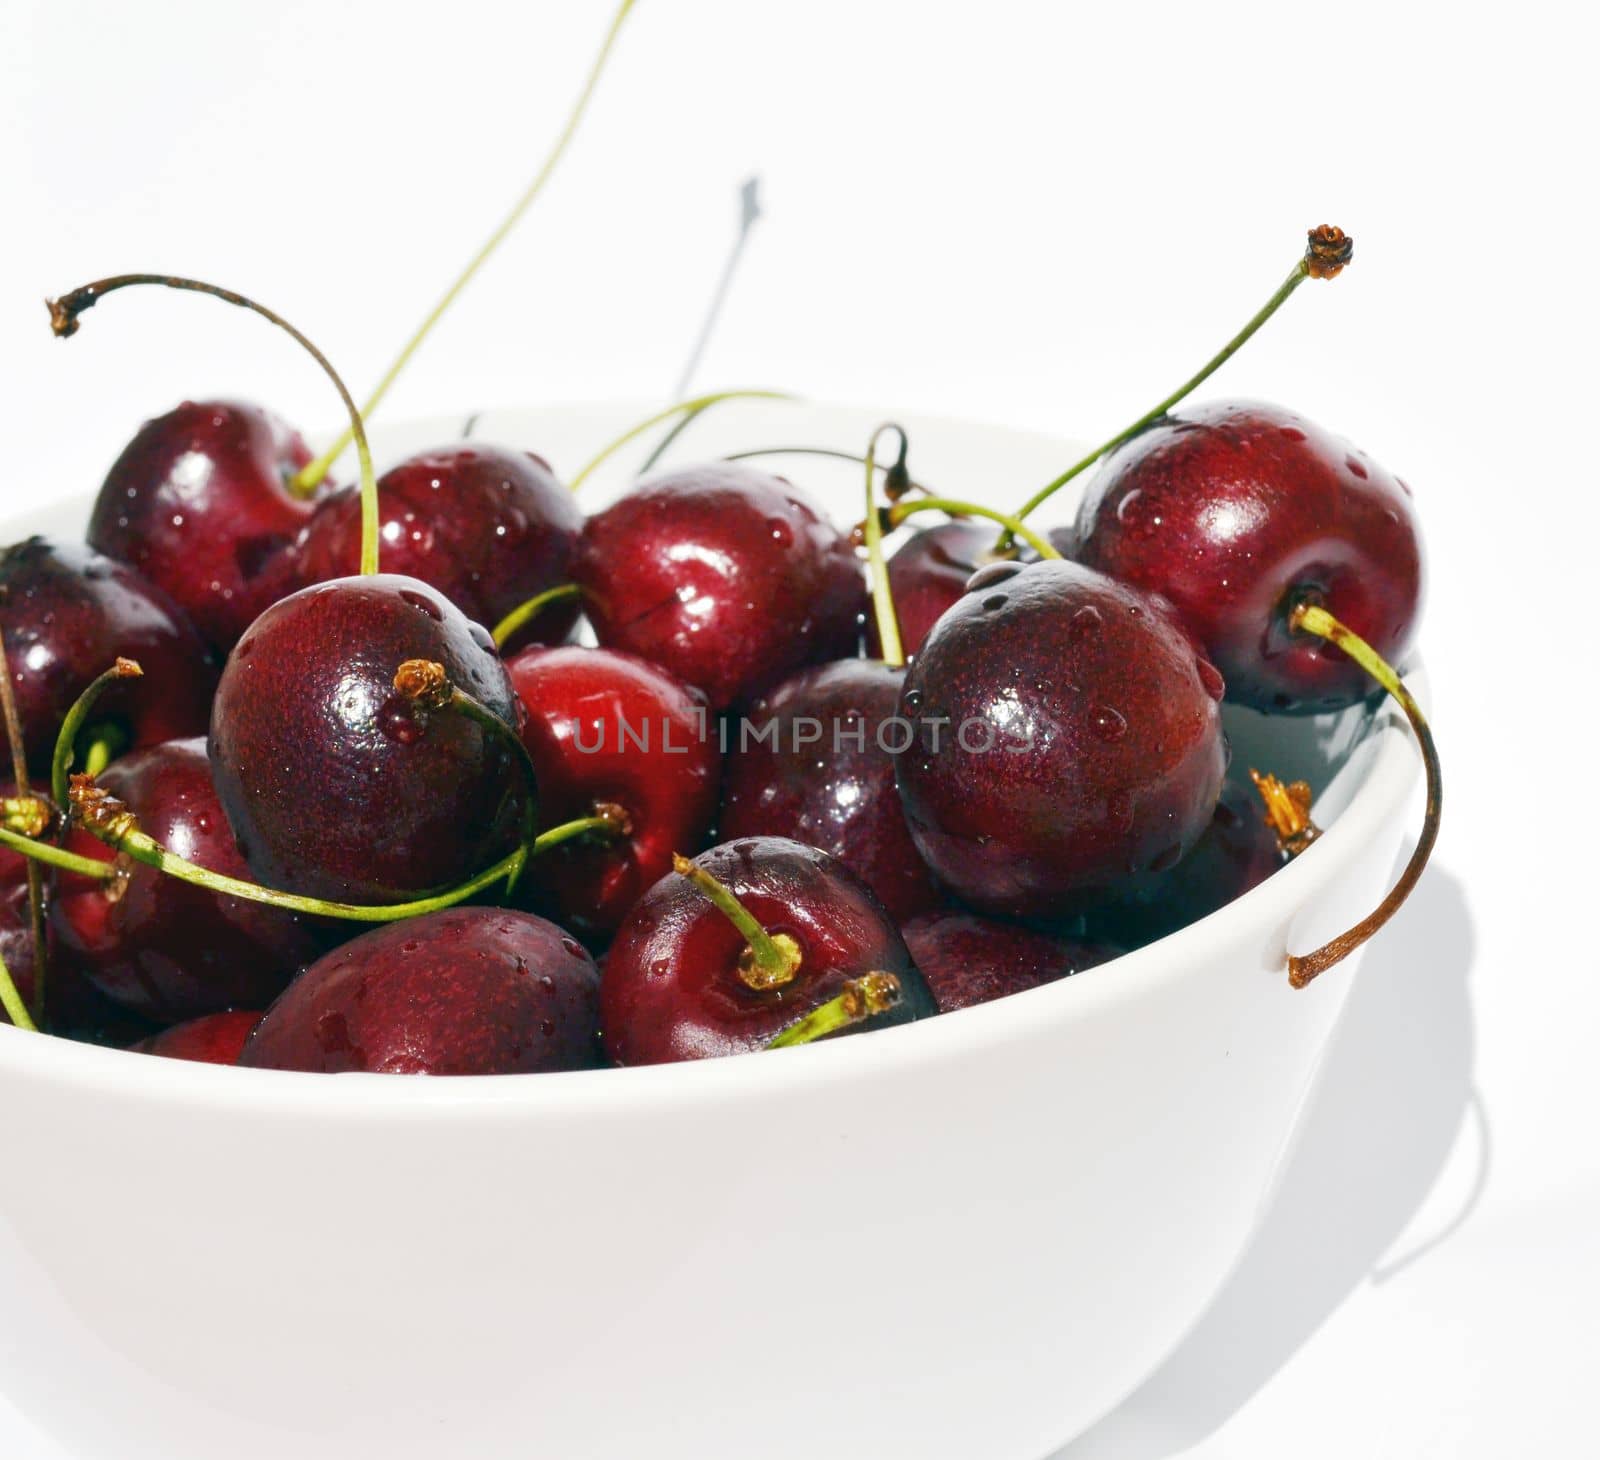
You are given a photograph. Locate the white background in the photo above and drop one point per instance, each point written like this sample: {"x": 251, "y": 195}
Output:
{"x": 1040, "y": 214}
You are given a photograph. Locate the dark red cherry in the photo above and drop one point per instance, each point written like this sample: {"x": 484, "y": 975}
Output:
{"x": 198, "y": 503}
{"x": 213, "y": 1039}
{"x": 335, "y": 785}
{"x": 1068, "y": 735}
{"x": 605, "y": 728}
{"x": 725, "y": 576}
{"x": 813, "y": 760}
{"x": 1238, "y": 511}
{"x": 968, "y": 959}
{"x": 160, "y": 946}
{"x": 1235, "y": 852}
{"x": 674, "y": 987}
{"x": 466, "y": 991}
{"x": 929, "y": 572}
{"x": 487, "y": 526}
{"x": 68, "y": 613}
{"x": 16, "y": 940}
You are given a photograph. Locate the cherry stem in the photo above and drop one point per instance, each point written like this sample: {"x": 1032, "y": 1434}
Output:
{"x": 896, "y": 480}
{"x": 426, "y": 685}
{"x": 890, "y": 644}
{"x": 105, "y": 744}
{"x": 1328, "y": 250}
{"x": 12, "y": 1001}
{"x": 1288, "y": 812}
{"x": 28, "y": 815}
{"x": 695, "y": 405}
{"x": 19, "y": 773}
{"x": 770, "y": 960}
{"x": 861, "y": 999}
{"x": 1311, "y": 618}
{"x": 525, "y": 612}
{"x": 67, "y": 736}
{"x": 306, "y": 479}
{"x": 1014, "y": 525}
{"x": 54, "y": 856}
{"x": 64, "y": 314}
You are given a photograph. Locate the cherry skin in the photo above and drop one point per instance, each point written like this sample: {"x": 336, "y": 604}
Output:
{"x": 465, "y": 991}
{"x": 1236, "y": 512}
{"x": 68, "y": 613}
{"x": 725, "y": 576}
{"x": 486, "y": 526}
{"x": 198, "y": 503}
{"x": 929, "y": 572}
{"x": 969, "y": 960}
{"x": 672, "y": 990}
{"x": 605, "y": 728}
{"x": 828, "y": 791}
{"x": 334, "y": 784}
{"x": 160, "y": 946}
{"x": 1236, "y": 852}
{"x": 1068, "y": 735}
{"x": 213, "y": 1039}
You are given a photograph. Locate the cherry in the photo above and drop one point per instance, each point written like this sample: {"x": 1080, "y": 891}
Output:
{"x": 335, "y": 784}
{"x": 68, "y": 612}
{"x": 198, "y": 503}
{"x": 725, "y": 576}
{"x": 1237, "y": 851}
{"x": 465, "y": 991}
{"x": 1068, "y": 735}
{"x": 815, "y": 764}
{"x": 213, "y": 1039}
{"x": 733, "y": 949}
{"x": 162, "y": 947}
{"x": 610, "y": 730}
{"x": 1237, "y": 512}
{"x": 969, "y": 960}
{"x": 486, "y": 526}
{"x": 929, "y": 572}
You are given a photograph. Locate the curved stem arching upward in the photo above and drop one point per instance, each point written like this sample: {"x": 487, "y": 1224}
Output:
{"x": 694, "y": 406}
{"x": 1328, "y": 250}
{"x": 308, "y": 476}
{"x": 64, "y": 314}
{"x": 893, "y": 650}
{"x": 1314, "y": 619}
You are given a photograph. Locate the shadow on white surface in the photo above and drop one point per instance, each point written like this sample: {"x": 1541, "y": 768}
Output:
{"x": 1394, "y": 1093}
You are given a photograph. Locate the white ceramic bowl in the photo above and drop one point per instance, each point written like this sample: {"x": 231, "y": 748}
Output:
{"x": 964, "y": 1238}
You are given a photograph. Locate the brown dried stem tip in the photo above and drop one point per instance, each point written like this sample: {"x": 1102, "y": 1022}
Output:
{"x": 1288, "y": 812}
{"x": 860, "y": 999}
{"x": 101, "y": 812}
{"x": 424, "y": 682}
{"x": 615, "y": 817}
{"x": 1328, "y": 250}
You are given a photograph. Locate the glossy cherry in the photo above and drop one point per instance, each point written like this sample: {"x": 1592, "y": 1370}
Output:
{"x": 67, "y": 613}
{"x": 609, "y": 729}
{"x": 676, "y": 984}
{"x": 198, "y": 503}
{"x": 929, "y": 572}
{"x": 466, "y": 991}
{"x": 163, "y": 947}
{"x": 1237, "y": 512}
{"x": 1237, "y": 851}
{"x": 816, "y": 764}
{"x": 213, "y": 1039}
{"x": 486, "y": 526}
{"x": 726, "y": 576}
{"x": 968, "y": 959}
{"x": 1068, "y": 735}
{"x": 335, "y": 785}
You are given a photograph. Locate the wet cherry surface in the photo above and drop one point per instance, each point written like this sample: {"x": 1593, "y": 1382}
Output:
{"x": 968, "y": 959}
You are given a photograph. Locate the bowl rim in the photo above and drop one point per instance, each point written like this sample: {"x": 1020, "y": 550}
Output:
{"x": 1381, "y": 794}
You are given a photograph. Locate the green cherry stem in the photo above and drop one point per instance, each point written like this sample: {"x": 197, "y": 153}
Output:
{"x": 1311, "y": 618}
{"x": 769, "y": 960}
{"x": 307, "y": 478}
{"x": 106, "y": 742}
{"x": 890, "y": 643}
{"x": 28, "y": 815}
{"x": 523, "y": 613}
{"x": 13, "y": 1003}
{"x": 67, "y": 736}
{"x": 862, "y": 998}
{"x": 1014, "y": 526}
{"x": 64, "y": 313}
{"x": 694, "y": 405}
{"x": 1328, "y": 250}
{"x": 19, "y": 774}
{"x": 54, "y": 856}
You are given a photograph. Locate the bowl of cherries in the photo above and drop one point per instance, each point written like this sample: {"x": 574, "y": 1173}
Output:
{"x": 841, "y": 927}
